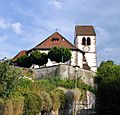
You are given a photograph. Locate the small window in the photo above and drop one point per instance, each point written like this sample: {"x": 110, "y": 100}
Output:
{"x": 83, "y": 41}
{"x": 55, "y": 39}
{"x": 88, "y": 41}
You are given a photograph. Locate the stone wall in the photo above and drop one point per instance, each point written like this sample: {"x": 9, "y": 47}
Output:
{"x": 69, "y": 72}
{"x": 65, "y": 72}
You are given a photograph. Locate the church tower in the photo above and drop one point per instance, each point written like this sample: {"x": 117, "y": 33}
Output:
{"x": 85, "y": 40}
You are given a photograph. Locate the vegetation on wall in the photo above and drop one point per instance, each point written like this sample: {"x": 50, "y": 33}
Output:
{"x": 20, "y": 95}
{"x": 108, "y": 89}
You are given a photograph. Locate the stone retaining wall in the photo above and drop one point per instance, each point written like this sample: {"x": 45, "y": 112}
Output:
{"x": 65, "y": 72}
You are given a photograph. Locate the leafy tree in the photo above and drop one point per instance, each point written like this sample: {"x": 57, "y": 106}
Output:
{"x": 23, "y": 61}
{"x": 38, "y": 58}
{"x": 108, "y": 89}
{"x": 59, "y": 54}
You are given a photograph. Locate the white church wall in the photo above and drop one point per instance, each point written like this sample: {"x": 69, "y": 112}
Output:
{"x": 44, "y": 51}
{"x": 80, "y": 59}
{"x": 91, "y": 54}
{"x": 91, "y": 59}
{"x": 92, "y": 46}
{"x": 73, "y": 58}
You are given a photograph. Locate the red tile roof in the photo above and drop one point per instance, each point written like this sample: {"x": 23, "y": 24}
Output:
{"x": 55, "y": 40}
{"x": 85, "y": 30}
{"x": 21, "y": 53}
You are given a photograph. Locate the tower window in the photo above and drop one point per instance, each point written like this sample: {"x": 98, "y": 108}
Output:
{"x": 83, "y": 41}
{"x": 88, "y": 41}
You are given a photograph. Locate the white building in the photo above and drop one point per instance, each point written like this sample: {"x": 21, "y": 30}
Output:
{"x": 83, "y": 50}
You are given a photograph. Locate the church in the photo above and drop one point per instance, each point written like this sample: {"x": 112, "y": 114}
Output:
{"x": 83, "y": 49}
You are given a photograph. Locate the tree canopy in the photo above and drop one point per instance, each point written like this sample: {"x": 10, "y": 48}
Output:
{"x": 24, "y": 61}
{"x": 108, "y": 89}
{"x": 59, "y": 54}
{"x": 38, "y": 58}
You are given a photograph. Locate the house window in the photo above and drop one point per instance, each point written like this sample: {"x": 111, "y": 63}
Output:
{"x": 88, "y": 41}
{"x": 55, "y": 39}
{"x": 83, "y": 41}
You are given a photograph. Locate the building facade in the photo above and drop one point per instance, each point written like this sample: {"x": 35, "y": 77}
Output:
{"x": 85, "y": 40}
{"x": 83, "y": 50}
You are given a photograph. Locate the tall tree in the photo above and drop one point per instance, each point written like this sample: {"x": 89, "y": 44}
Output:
{"x": 108, "y": 89}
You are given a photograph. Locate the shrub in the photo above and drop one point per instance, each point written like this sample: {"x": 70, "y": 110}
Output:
{"x": 32, "y": 104}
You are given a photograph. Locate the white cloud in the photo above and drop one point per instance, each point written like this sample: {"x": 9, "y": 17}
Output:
{"x": 57, "y": 4}
{"x": 17, "y": 27}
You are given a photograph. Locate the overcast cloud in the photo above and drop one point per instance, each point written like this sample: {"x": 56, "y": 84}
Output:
{"x": 24, "y": 24}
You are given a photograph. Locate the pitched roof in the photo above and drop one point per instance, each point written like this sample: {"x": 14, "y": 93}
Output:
{"x": 85, "y": 30}
{"x": 21, "y": 53}
{"x": 55, "y": 40}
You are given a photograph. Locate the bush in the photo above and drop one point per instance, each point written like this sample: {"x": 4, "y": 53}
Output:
{"x": 8, "y": 79}
{"x": 46, "y": 102}
{"x": 58, "y": 99}
{"x": 32, "y": 104}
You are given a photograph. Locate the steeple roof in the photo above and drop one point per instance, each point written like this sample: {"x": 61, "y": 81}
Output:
{"x": 85, "y": 30}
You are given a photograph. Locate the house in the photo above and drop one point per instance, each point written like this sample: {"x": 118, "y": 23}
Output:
{"x": 83, "y": 50}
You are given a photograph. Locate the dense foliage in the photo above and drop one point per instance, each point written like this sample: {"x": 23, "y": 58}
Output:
{"x": 8, "y": 79}
{"x": 35, "y": 57}
{"x": 20, "y": 95}
{"x": 38, "y": 58}
{"x": 108, "y": 89}
{"x": 24, "y": 61}
{"x": 59, "y": 54}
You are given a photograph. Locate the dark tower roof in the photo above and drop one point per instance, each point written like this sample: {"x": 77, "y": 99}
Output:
{"x": 84, "y": 30}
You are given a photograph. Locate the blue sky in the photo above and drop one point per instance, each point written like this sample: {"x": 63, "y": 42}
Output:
{"x": 25, "y": 23}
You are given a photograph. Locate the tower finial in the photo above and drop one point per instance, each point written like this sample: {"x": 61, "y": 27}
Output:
{"x": 56, "y": 29}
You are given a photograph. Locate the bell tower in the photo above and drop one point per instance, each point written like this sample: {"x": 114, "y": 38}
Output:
{"x": 85, "y": 40}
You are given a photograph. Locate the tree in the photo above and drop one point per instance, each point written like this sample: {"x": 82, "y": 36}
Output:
{"x": 24, "y": 61}
{"x": 35, "y": 57}
{"x": 59, "y": 54}
{"x": 38, "y": 58}
{"x": 108, "y": 89}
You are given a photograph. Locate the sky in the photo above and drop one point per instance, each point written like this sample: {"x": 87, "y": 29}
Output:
{"x": 25, "y": 23}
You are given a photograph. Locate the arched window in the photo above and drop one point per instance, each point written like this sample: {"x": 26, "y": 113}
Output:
{"x": 83, "y": 41}
{"x": 88, "y": 41}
